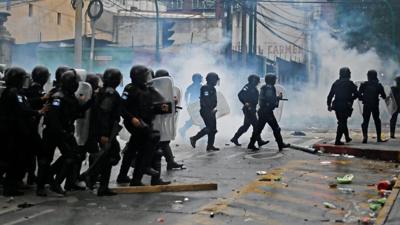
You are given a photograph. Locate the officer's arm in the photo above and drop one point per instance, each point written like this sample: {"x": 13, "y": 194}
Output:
{"x": 242, "y": 96}
{"x": 331, "y": 95}
{"x": 52, "y": 118}
{"x": 19, "y": 105}
{"x": 355, "y": 92}
{"x": 361, "y": 92}
{"x": 104, "y": 114}
{"x": 382, "y": 91}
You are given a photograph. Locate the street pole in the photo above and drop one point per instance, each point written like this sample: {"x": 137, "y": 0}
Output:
{"x": 255, "y": 28}
{"x": 244, "y": 35}
{"x": 93, "y": 27}
{"x": 393, "y": 26}
{"x": 158, "y": 58}
{"x": 78, "y": 34}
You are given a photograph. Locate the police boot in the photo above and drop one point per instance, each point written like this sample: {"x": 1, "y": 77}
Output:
{"x": 150, "y": 171}
{"x": 365, "y": 134}
{"x": 210, "y": 144}
{"x": 41, "y": 192}
{"x": 251, "y": 145}
{"x": 392, "y": 130}
{"x": 174, "y": 165}
{"x": 156, "y": 180}
{"x": 261, "y": 142}
{"x": 378, "y": 135}
{"x": 279, "y": 140}
{"x": 193, "y": 141}
{"x": 235, "y": 140}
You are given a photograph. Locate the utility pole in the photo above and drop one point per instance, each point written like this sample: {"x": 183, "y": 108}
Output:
{"x": 244, "y": 34}
{"x": 228, "y": 29}
{"x": 254, "y": 11}
{"x": 78, "y": 33}
{"x": 157, "y": 56}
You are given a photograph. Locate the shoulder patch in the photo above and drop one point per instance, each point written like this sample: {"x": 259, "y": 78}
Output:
{"x": 125, "y": 95}
{"x": 56, "y": 102}
{"x": 206, "y": 93}
{"x": 20, "y": 99}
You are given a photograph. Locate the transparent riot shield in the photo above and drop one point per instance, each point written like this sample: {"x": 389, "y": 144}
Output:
{"x": 82, "y": 74}
{"x": 279, "y": 110}
{"x": 165, "y": 123}
{"x": 178, "y": 101}
{"x": 83, "y": 94}
{"x": 222, "y": 109}
{"x": 390, "y": 101}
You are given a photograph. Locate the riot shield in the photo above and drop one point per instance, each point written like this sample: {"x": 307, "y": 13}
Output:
{"x": 390, "y": 101}
{"x": 222, "y": 109}
{"x": 279, "y": 110}
{"x": 81, "y": 74}
{"x": 178, "y": 99}
{"x": 165, "y": 123}
{"x": 83, "y": 94}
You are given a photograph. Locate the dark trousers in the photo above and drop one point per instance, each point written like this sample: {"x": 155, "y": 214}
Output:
{"x": 64, "y": 165}
{"x": 211, "y": 127}
{"x": 14, "y": 151}
{"x": 393, "y": 121}
{"x": 342, "y": 129}
{"x": 103, "y": 163}
{"x": 367, "y": 111}
{"x": 167, "y": 151}
{"x": 264, "y": 117}
{"x": 35, "y": 146}
{"x": 129, "y": 155}
{"x": 250, "y": 118}
{"x": 145, "y": 143}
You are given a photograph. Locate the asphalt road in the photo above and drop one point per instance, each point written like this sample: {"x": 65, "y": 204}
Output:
{"x": 292, "y": 192}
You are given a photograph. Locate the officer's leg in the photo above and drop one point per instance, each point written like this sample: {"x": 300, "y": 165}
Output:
{"x": 393, "y": 121}
{"x": 127, "y": 158}
{"x": 257, "y": 130}
{"x": 340, "y": 115}
{"x": 202, "y": 132}
{"x": 246, "y": 124}
{"x": 212, "y": 126}
{"x": 156, "y": 164}
{"x": 12, "y": 171}
{"x": 45, "y": 157}
{"x": 364, "y": 125}
{"x": 273, "y": 123}
{"x": 169, "y": 156}
{"x": 378, "y": 125}
{"x": 106, "y": 169}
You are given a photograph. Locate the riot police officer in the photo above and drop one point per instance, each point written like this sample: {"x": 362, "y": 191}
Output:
{"x": 192, "y": 94}
{"x": 17, "y": 126}
{"x": 106, "y": 116}
{"x": 57, "y": 82}
{"x": 369, "y": 95}
{"x": 36, "y": 98}
{"x": 208, "y": 104}
{"x": 138, "y": 110}
{"x": 396, "y": 95}
{"x": 59, "y": 132}
{"x": 248, "y": 96}
{"x": 268, "y": 102}
{"x": 343, "y": 93}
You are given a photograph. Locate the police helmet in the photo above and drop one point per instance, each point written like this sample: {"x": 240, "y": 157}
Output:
{"x": 372, "y": 75}
{"x": 344, "y": 72}
{"x": 112, "y": 78}
{"x": 15, "y": 77}
{"x": 270, "y": 79}
{"x": 197, "y": 78}
{"x": 93, "y": 80}
{"x": 162, "y": 73}
{"x": 140, "y": 75}
{"x": 69, "y": 81}
{"x": 212, "y": 78}
{"x": 60, "y": 70}
{"x": 40, "y": 75}
{"x": 253, "y": 79}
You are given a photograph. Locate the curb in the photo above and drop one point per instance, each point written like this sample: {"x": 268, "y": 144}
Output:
{"x": 386, "y": 155}
{"x": 387, "y": 208}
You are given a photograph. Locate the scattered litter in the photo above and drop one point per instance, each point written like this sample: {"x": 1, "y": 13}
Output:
{"x": 248, "y": 220}
{"x": 176, "y": 145}
{"x": 367, "y": 220}
{"x": 186, "y": 199}
{"x": 285, "y": 184}
{"x": 380, "y": 201}
{"x": 178, "y": 202}
{"x": 335, "y": 155}
{"x": 325, "y": 220}
{"x": 339, "y": 221}
{"x": 346, "y": 190}
{"x": 11, "y": 199}
{"x": 329, "y": 205}
{"x": 160, "y": 220}
{"x": 375, "y": 206}
{"x": 384, "y": 185}
{"x": 211, "y": 214}
{"x": 25, "y": 205}
{"x": 384, "y": 193}
{"x": 298, "y": 133}
{"x": 325, "y": 162}
{"x": 227, "y": 144}
{"x": 261, "y": 172}
{"x": 333, "y": 185}
{"x": 346, "y": 179}
{"x": 348, "y": 156}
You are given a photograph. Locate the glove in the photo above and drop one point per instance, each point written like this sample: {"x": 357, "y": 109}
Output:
{"x": 329, "y": 108}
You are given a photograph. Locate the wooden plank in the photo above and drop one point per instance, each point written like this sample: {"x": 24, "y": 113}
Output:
{"x": 166, "y": 188}
{"x": 385, "y": 211}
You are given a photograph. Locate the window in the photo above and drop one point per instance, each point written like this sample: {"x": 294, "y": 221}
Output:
{"x": 30, "y": 10}
{"x": 203, "y": 4}
{"x": 175, "y": 5}
{"x": 58, "y": 18}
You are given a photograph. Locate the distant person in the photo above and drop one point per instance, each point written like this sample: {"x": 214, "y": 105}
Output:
{"x": 208, "y": 105}
{"x": 343, "y": 93}
{"x": 268, "y": 102}
{"x": 393, "y": 119}
{"x": 192, "y": 94}
{"x": 248, "y": 96}
{"x": 369, "y": 95}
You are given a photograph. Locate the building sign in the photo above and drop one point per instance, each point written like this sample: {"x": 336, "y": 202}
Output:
{"x": 282, "y": 50}
{"x": 103, "y": 58}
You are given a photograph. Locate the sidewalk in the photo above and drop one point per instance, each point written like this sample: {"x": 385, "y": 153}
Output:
{"x": 388, "y": 151}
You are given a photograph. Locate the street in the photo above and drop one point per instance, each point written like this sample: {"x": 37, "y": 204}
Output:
{"x": 293, "y": 191}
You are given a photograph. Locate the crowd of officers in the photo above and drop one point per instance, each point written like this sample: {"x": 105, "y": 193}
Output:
{"x": 23, "y": 104}
{"x": 344, "y": 92}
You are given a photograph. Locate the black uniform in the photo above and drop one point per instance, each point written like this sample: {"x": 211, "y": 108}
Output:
{"x": 17, "y": 121}
{"x": 268, "y": 102}
{"x": 393, "y": 119}
{"x": 369, "y": 95}
{"x": 138, "y": 102}
{"x": 343, "y": 93}
{"x": 106, "y": 113}
{"x": 208, "y": 103}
